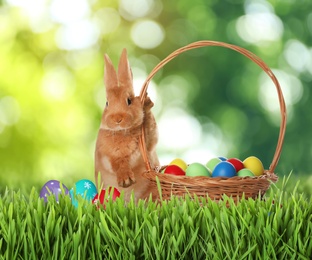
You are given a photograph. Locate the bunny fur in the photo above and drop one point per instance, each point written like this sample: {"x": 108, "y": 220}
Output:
{"x": 117, "y": 154}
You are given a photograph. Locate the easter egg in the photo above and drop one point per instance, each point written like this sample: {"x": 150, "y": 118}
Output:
{"x": 53, "y": 187}
{"x": 224, "y": 169}
{"x": 179, "y": 162}
{"x": 112, "y": 193}
{"x": 222, "y": 158}
{"x": 99, "y": 199}
{"x": 238, "y": 164}
{"x": 83, "y": 188}
{"x": 174, "y": 169}
{"x": 197, "y": 169}
{"x": 211, "y": 164}
{"x": 245, "y": 172}
{"x": 254, "y": 164}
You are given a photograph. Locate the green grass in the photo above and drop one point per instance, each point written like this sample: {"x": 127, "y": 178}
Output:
{"x": 279, "y": 227}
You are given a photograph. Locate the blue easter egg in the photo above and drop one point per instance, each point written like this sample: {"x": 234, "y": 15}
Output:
{"x": 224, "y": 169}
{"x": 222, "y": 158}
{"x": 84, "y": 189}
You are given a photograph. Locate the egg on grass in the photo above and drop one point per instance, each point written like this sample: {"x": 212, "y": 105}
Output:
{"x": 84, "y": 189}
{"x": 111, "y": 193}
{"x": 55, "y": 188}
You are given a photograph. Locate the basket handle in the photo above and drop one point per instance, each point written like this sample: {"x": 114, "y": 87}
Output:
{"x": 244, "y": 52}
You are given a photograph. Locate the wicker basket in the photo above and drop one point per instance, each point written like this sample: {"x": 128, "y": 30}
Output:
{"x": 215, "y": 188}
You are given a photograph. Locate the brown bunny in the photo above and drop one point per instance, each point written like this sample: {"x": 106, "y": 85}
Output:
{"x": 117, "y": 154}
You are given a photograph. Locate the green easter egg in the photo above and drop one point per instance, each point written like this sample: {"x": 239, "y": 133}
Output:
{"x": 245, "y": 172}
{"x": 212, "y": 163}
{"x": 197, "y": 169}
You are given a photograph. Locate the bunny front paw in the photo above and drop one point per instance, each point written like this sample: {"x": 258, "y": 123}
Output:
{"x": 126, "y": 180}
{"x": 148, "y": 103}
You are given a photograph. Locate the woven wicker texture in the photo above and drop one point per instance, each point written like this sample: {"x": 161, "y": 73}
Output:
{"x": 235, "y": 187}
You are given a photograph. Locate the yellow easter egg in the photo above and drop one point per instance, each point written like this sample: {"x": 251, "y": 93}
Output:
{"x": 254, "y": 164}
{"x": 179, "y": 162}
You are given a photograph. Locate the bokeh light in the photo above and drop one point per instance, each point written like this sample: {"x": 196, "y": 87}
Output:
{"x": 107, "y": 19}
{"x": 63, "y": 12}
{"x": 131, "y": 10}
{"x": 259, "y": 28}
{"x": 147, "y": 34}
{"x": 79, "y": 35}
{"x": 182, "y": 130}
{"x": 9, "y": 111}
{"x": 259, "y": 25}
{"x": 298, "y": 56}
{"x": 58, "y": 84}
{"x": 292, "y": 91}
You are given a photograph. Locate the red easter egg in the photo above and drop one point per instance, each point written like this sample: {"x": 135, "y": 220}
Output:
{"x": 99, "y": 199}
{"x": 238, "y": 164}
{"x": 96, "y": 199}
{"x": 115, "y": 193}
{"x": 174, "y": 169}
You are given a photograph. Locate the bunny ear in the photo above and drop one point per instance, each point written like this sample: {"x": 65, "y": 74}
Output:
{"x": 110, "y": 75}
{"x": 124, "y": 71}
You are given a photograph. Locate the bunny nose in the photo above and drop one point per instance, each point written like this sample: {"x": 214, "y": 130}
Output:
{"x": 118, "y": 120}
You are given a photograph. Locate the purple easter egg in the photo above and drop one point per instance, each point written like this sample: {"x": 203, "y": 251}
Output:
{"x": 53, "y": 187}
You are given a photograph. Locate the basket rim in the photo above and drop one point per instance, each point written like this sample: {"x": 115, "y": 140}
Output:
{"x": 152, "y": 174}
{"x": 246, "y": 53}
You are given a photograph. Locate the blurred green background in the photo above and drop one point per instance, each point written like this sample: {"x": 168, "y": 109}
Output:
{"x": 208, "y": 102}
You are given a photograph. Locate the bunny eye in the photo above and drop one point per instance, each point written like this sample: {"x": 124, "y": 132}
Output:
{"x": 129, "y": 101}
{"x": 106, "y": 104}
